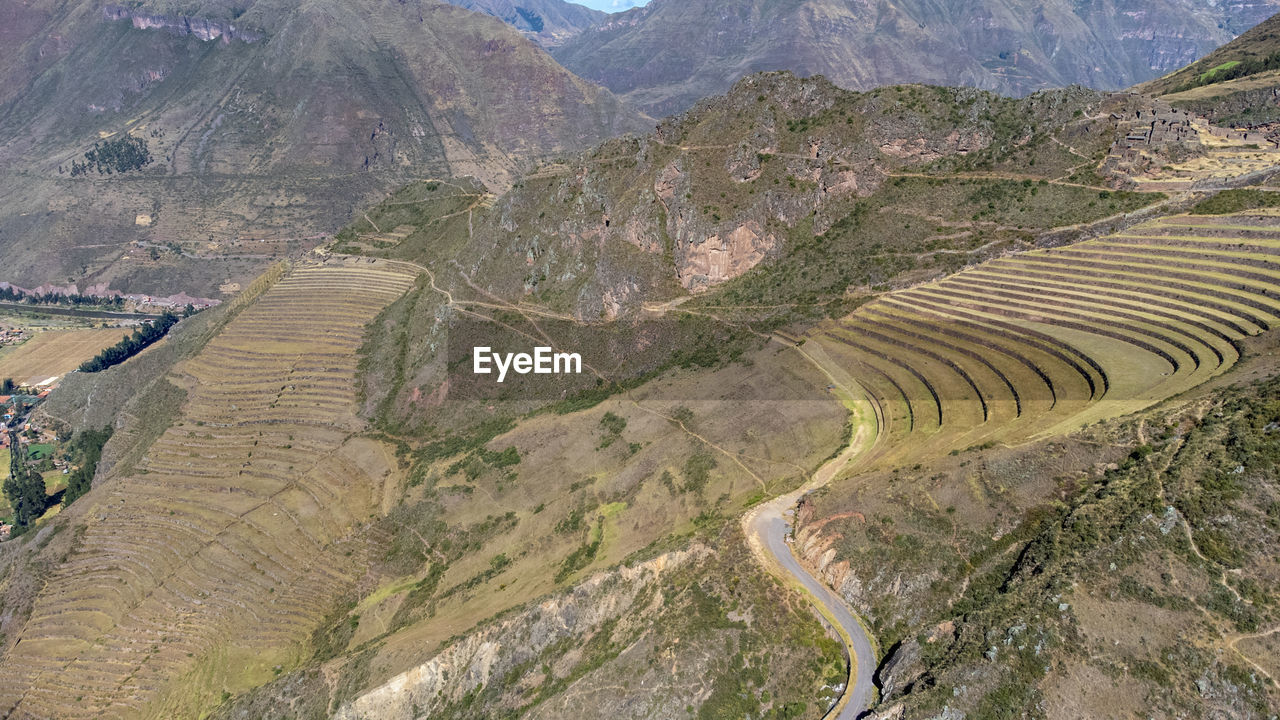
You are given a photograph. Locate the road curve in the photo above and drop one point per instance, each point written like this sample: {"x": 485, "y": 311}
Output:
{"x": 767, "y": 530}
{"x": 772, "y": 526}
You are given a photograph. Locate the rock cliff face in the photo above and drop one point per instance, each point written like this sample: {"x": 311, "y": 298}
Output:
{"x": 663, "y": 57}
{"x": 717, "y": 258}
{"x": 716, "y": 191}
{"x": 547, "y": 22}
{"x": 202, "y": 28}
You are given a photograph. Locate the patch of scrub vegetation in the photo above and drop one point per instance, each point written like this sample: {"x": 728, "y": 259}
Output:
{"x": 1232, "y": 69}
{"x": 1024, "y": 205}
{"x": 424, "y": 220}
{"x": 412, "y": 393}
{"x": 751, "y": 647}
{"x": 1236, "y": 200}
{"x": 611, "y": 427}
{"x": 85, "y": 449}
{"x": 119, "y": 155}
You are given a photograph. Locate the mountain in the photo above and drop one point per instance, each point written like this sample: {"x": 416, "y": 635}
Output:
{"x": 925, "y": 345}
{"x": 1000, "y": 395}
{"x": 547, "y": 22}
{"x": 1254, "y": 52}
{"x": 232, "y": 133}
{"x": 664, "y": 56}
{"x": 1234, "y": 85}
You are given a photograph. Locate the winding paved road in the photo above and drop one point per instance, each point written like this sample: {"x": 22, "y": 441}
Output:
{"x": 767, "y": 528}
{"x": 772, "y": 527}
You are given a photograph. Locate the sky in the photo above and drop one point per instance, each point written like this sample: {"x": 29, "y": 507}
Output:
{"x": 611, "y": 5}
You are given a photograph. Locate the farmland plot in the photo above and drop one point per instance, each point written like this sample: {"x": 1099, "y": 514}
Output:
{"x": 210, "y": 565}
{"x": 1046, "y": 341}
{"x": 55, "y": 352}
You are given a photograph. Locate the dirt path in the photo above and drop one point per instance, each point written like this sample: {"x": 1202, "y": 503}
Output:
{"x": 1002, "y": 176}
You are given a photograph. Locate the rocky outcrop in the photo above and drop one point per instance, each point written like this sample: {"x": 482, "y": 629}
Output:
{"x": 816, "y": 544}
{"x": 723, "y": 188}
{"x": 722, "y": 257}
{"x": 202, "y": 28}
{"x": 901, "y": 667}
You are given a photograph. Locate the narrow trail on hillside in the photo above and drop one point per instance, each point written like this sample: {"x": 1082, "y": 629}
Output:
{"x": 1018, "y": 177}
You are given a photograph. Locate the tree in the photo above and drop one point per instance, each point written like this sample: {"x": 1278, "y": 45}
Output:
{"x": 130, "y": 345}
{"x": 7, "y": 386}
{"x": 120, "y": 155}
{"x": 26, "y": 493}
{"x": 86, "y": 448}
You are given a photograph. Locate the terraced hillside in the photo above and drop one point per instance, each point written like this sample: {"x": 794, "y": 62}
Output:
{"x": 211, "y": 564}
{"x": 1047, "y": 341}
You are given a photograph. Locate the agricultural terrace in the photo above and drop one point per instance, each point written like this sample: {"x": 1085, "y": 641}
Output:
{"x": 1047, "y": 341}
{"x": 212, "y": 563}
{"x": 54, "y": 353}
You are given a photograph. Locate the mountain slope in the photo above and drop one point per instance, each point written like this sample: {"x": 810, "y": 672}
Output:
{"x": 1247, "y": 55}
{"x": 753, "y": 178}
{"x": 547, "y": 22}
{"x": 662, "y": 57}
{"x": 272, "y": 120}
{"x": 1235, "y": 85}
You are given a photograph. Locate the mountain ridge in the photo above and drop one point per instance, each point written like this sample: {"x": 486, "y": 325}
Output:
{"x": 263, "y": 121}
{"x": 661, "y": 59}
{"x": 547, "y": 22}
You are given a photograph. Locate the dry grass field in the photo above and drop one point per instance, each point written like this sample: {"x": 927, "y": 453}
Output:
{"x": 577, "y": 483}
{"x": 1045, "y": 342}
{"x": 210, "y": 565}
{"x": 55, "y": 353}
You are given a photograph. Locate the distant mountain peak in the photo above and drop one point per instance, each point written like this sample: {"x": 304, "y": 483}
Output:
{"x": 547, "y": 22}
{"x": 666, "y": 55}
